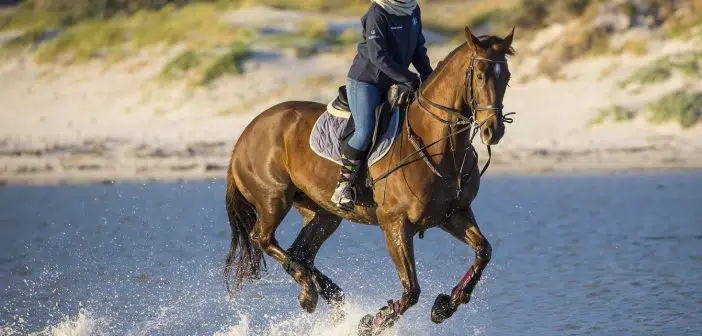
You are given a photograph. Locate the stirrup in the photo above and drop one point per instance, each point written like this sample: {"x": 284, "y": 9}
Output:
{"x": 344, "y": 196}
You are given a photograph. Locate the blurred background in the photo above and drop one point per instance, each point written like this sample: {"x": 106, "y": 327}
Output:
{"x": 155, "y": 89}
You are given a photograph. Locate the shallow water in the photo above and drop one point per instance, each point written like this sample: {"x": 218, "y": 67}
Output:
{"x": 604, "y": 255}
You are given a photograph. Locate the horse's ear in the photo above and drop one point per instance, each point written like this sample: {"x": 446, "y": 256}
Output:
{"x": 508, "y": 40}
{"x": 473, "y": 41}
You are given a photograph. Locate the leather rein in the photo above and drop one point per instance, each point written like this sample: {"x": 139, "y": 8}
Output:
{"x": 460, "y": 120}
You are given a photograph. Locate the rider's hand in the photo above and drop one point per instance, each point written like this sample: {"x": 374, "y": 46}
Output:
{"x": 414, "y": 83}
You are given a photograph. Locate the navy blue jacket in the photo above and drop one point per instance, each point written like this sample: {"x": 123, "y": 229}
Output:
{"x": 390, "y": 44}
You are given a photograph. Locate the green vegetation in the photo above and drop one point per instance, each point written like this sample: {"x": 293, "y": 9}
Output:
{"x": 63, "y": 13}
{"x": 311, "y": 37}
{"x": 688, "y": 63}
{"x": 229, "y": 62}
{"x": 636, "y": 47}
{"x": 26, "y": 38}
{"x": 179, "y": 66}
{"x": 84, "y": 41}
{"x": 27, "y": 19}
{"x": 450, "y": 18}
{"x": 347, "y": 6}
{"x": 682, "y": 107}
{"x": 593, "y": 41}
{"x": 614, "y": 113}
{"x": 197, "y": 25}
{"x": 501, "y": 15}
{"x": 202, "y": 68}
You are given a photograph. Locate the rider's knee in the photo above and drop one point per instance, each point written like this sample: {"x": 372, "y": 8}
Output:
{"x": 365, "y": 133}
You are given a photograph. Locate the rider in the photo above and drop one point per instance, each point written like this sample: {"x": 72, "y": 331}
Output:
{"x": 392, "y": 39}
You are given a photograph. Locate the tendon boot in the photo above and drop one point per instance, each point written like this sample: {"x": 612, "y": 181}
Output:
{"x": 345, "y": 193}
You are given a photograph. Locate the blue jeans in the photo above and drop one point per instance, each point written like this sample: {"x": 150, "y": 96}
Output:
{"x": 363, "y": 99}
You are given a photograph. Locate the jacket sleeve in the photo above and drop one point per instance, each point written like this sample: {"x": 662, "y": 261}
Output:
{"x": 375, "y": 33}
{"x": 420, "y": 60}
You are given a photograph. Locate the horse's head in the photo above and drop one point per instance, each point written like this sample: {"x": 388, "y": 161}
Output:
{"x": 487, "y": 77}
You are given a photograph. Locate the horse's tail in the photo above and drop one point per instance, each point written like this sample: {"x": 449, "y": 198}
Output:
{"x": 242, "y": 217}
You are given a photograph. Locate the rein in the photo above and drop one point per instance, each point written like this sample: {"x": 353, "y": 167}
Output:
{"x": 468, "y": 123}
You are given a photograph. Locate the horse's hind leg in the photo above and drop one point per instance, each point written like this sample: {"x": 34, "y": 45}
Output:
{"x": 319, "y": 225}
{"x": 271, "y": 211}
{"x": 464, "y": 227}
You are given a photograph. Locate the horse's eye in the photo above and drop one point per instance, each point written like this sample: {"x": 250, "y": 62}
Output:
{"x": 480, "y": 76}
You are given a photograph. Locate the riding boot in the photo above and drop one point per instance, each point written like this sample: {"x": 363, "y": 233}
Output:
{"x": 345, "y": 193}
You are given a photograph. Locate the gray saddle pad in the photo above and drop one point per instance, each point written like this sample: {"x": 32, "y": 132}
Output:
{"x": 324, "y": 139}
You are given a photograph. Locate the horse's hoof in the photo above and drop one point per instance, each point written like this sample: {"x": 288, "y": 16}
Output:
{"x": 308, "y": 299}
{"x": 330, "y": 292}
{"x": 441, "y": 309}
{"x": 365, "y": 327}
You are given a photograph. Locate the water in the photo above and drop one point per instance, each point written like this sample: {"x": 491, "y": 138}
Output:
{"x": 603, "y": 255}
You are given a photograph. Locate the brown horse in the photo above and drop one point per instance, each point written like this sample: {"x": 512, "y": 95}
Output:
{"x": 272, "y": 169}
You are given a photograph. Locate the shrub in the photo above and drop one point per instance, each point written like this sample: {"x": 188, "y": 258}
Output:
{"x": 73, "y": 11}
{"x": 682, "y": 107}
{"x": 84, "y": 41}
{"x": 29, "y": 37}
{"x": 315, "y": 30}
{"x": 615, "y": 113}
{"x": 587, "y": 41}
{"x": 229, "y": 62}
{"x": 636, "y": 47}
{"x": 197, "y": 24}
{"x": 181, "y": 64}
{"x": 662, "y": 69}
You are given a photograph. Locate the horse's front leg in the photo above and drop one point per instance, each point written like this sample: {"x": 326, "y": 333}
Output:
{"x": 464, "y": 227}
{"x": 399, "y": 240}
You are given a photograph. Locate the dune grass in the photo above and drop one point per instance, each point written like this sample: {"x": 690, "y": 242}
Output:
{"x": 206, "y": 66}
{"x": 198, "y": 25}
{"x": 634, "y": 47}
{"x": 614, "y": 113}
{"x": 229, "y": 62}
{"x": 311, "y": 37}
{"x": 23, "y": 18}
{"x": 681, "y": 107}
{"x": 688, "y": 63}
{"x": 181, "y": 65}
{"x": 450, "y": 17}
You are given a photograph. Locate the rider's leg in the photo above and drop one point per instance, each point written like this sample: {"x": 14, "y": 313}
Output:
{"x": 363, "y": 99}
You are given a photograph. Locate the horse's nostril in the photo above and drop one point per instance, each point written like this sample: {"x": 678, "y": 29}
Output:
{"x": 487, "y": 133}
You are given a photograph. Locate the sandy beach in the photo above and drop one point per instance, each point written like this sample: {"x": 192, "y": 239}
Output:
{"x": 108, "y": 123}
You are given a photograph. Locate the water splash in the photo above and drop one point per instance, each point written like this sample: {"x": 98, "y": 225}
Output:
{"x": 303, "y": 324}
{"x": 240, "y": 329}
{"x": 82, "y": 324}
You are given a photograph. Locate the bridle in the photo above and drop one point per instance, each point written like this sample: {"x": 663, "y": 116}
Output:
{"x": 460, "y": 120}
{"x": 468, "y": 101}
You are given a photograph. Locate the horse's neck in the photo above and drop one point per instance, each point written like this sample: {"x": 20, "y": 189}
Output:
{"x": 444, "y": 88}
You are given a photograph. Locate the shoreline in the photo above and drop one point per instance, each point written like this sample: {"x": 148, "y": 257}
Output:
{"x": 203, "y": 170}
